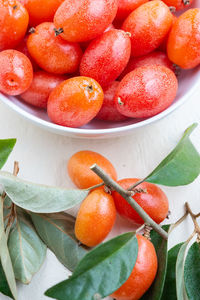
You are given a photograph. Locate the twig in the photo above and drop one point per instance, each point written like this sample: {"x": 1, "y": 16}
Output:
{"x": 132, "y": 187}
{"x": 193, "y": 216}
{"x": 95, "y": 186}
{"x": 115, "y": 186}
{"x": 16, "y": 168}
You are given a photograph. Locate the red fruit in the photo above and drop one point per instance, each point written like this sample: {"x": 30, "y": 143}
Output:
{"x": 106, "y": 57}
{"x": 146, "y": 91}
{"x": 84, "y": 20}
{"x": 154, "y": 202}
{"x": 75, "y": 102}
{"x": 22, "y": 47}
{"x": 108, "y": 111}
{"x": 163, "y": 46}
{"x": 178, "y": 4}
{"x": 84, "y": 45}
{"x": 156, "y": 58}
{"x": 13, "y": 23}
{"x": 95, "y": 218}
{"x": 51, "y": 52}
{"x": 143, "y": 273}
{"x": 125, "y": 7}
{"x": 42, "y": 85}
{"x": 79, "y": 168}
{"x": 148, "y": 25}
{"x": 16, "y": 72}
{"x": 183, "y": 46}
{"x": 41, "y": 10}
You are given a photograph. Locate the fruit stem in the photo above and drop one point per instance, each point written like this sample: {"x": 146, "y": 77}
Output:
{"x": 58, "y": 31}
{"x": 115, "y": 186}
{"x": 194, "y": 217}
{"x": 132, "y": 187}
{"x": 186, "y": 2}
{"x": 95, "y": 186}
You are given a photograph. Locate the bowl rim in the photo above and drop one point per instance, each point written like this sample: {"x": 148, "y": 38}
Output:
{"x": 98, "y": 132}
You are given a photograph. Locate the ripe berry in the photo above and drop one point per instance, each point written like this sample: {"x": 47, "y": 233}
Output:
{"x": 79, "y": 168}
{"x": 146, "y": 91}
{"x": 13, "y": 23}
{"x": 153, "y": 201}
{"x": 183, "y": 46}
{"x": 84, "y": 20}
{"x": 106, "y": 57}
{"x": 16, "y": 72}
{"x": 95, "y": 218}
{"x": 143, "y": 273}
{"x": 75, "y": 102}
{"x": 154, "y": 21}
{"x": 42, "y": 85}
{"x": 108, "y": 111}
{"x": 51, "y": 52}
{"x": 156, "y": 58}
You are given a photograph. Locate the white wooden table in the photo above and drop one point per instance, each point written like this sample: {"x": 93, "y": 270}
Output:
{"x": 43, "y": 157}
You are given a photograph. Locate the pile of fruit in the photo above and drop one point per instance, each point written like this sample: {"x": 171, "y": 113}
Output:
{"x": 86, "y": 59}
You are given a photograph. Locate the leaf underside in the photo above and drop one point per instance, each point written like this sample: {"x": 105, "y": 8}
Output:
{"x": 57, "y": 232}
{"x": 39, "y": 198}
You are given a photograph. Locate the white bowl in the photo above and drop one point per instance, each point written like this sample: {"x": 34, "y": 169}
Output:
{"x": 189, "y": 81}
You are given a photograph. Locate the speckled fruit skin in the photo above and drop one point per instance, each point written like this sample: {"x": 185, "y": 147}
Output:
{"x": 154, "y": 21}
{"x": 75, "y": 102}
{"x": 22, "y": 47}
{"x": 79, "y": 168}
{"x": 106, "y": 57}
{"x": 41, "y": 10}
{"x": 154, "y": 202}
{"x": 143, "y": 273}
{"x": 178, "y": 4}
{"x": 125, "y": 7}
{"x": 183, "y": 46}
{"x": 146, "y": 91}
{"x": 95, "y": 218}
{"x": 108, "y": 111}
{"x": 42, "y": 85}
{"x": 156, "y": 58}
{"x": 16, "y": 72}
{"x": 84, "y": 20}
{"x": 51, "y": 52}
{"x": 13, "y": 23}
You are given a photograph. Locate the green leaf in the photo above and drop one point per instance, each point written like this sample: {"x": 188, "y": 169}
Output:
{"x": 169, "y": 291}
{"x": 102, "y": 271}
{"x": 6, "y": 147}
{"x": 39, "y": 198}
{"x": 4, "y": 287}
{"x": 27, "y": 251}
{"x": 180, "y": 286}
{"x": 5, "y": 256}
{"x": 181, "y": 166}
{"x": 192, "y": 272}
{"x": 57, "y": 232}
{"x": 160, "y": 244}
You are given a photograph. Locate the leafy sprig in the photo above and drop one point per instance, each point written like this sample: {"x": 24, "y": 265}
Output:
{"x": 36, "y": 211}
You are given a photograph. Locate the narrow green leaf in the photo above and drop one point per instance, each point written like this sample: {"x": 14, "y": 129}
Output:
{"x": 57, "y": 232}
{"x": 27, "y": 251}
{"x": 180, "y": 286}
{"x": 6, "y": 147}
{"x": 181, "y": 166}
{"x": 192, "y": 272}
{"x": 102, "y": 271}
{"x": 156, "y": 290}
{"x": 169, "y": 291}
{"x": 4, "y": 287}
{"x": 5, "y": 256}
{"x": 39, "y": 198}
